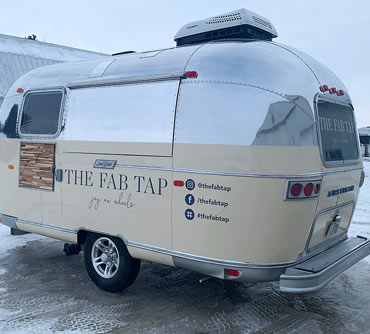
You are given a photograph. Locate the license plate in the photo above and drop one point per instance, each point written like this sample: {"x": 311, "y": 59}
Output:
{"x": 333, "y": 228}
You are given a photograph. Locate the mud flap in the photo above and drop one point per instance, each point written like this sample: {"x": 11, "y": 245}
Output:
{"x": 312, "y": 274}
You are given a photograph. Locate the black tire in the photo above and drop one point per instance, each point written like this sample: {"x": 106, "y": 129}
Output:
{"x": 119, "y": 269}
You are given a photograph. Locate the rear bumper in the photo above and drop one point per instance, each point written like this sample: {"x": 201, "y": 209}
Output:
{"x": 8, "y": 221}
{"x": 306, "y": 275}
{"x": 312, "y": 274}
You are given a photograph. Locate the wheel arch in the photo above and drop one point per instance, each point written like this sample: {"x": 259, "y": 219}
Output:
{"x": 83, "y": 232}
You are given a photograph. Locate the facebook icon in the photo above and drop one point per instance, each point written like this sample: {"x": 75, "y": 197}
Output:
{"x": 189, "y": 199}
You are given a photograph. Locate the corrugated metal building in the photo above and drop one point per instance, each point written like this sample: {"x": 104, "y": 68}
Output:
{"x": 364, "y": 134}
{"x": 21, "y": 55}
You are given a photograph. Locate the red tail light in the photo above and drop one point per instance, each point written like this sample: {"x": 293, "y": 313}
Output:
{"x": 178, "y": 183}
{"x": 311, "y": 189}
{"x": 340, "y": 92}
{"x": 324, "y": 88}
{"x": 191, "y": 74}
{"x": 332, "y": 90}
{"x": 296, "y": 189}
{"x": 308, "y": 189}
{"x": 232, "y": 272}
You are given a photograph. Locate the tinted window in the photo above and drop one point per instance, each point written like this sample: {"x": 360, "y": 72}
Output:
{"x": 339, "y": 140}
{"x": 11, "y": 123}
{"x": 41, "y": 113}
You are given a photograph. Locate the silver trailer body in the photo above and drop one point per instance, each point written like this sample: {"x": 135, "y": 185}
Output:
{"x": 265, "y": 72}
{"x": 232, "y": 126}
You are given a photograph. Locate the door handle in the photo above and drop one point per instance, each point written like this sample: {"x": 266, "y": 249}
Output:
{"x": 337, "y": 219}
{"x": 59, "y": 175}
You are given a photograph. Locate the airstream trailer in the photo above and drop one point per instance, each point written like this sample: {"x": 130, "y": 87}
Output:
{"x": 230, "y": 155}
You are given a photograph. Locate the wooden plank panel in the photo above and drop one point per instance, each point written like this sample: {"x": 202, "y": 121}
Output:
{"x": 36, "y": 168}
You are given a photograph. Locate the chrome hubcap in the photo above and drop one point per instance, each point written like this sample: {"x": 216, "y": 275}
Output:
{"x": 105, "y": 257}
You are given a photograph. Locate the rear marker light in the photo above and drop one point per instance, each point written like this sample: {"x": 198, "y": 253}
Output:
{"x": 10, "y": 166}
{"x": 324, "y": 88}
{"x": 191, "y": 74}
{"x": 340, "y": 92}
{"x": 332, "y": 90}
{"x": 317, "y": 188}
{"x": 20, "y": 90}
{"x": 362, "y": 178}
{"x": 178, "y": 183}
{"x": 308, "y": 189}
{"x": 296, "y": 189}
{"x": 232, "y": 272}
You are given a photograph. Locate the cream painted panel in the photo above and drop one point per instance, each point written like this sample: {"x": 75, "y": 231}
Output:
{"x": 150, "y": 256}
{"x": 334, "y": 183}
{"x": 15, "y": 201}
{"x": 329, "y": 182}
{"x": 134, "y": 203}
{"x": 239, "y": 219}
{"x": 330, "y": 197}
{"x": 61, "y": 235}
{"x": 349, "y": 179}
{"x": 248, "y": 159}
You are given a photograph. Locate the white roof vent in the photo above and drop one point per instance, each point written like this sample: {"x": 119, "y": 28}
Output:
{"x": 240, "y": 23}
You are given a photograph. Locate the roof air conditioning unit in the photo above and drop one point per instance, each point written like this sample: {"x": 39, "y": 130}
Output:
{"x": 240, "y": 23}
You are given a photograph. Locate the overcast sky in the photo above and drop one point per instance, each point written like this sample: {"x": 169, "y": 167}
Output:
{"x": 334, "y": 32}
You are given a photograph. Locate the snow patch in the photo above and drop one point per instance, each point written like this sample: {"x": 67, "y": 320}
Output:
{"x": 8, "y": 241}
{"x": 361, "y": 219}
{"x": 362, "y": 212}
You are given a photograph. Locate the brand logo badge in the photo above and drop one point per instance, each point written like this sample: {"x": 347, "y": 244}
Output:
{"x": 105, "y": 164}
{"x": 340, "y": 191}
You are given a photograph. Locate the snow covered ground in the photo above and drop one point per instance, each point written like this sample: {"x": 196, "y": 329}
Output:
{"x": 362, "y": 213}
{"x": 361, "y": 218}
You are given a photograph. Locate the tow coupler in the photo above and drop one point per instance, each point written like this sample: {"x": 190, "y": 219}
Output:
{"x": 312, "y": 274}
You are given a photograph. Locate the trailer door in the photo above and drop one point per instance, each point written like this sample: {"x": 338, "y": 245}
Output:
{"x": 39, "y": 126}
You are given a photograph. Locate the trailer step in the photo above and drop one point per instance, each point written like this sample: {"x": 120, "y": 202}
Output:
{"x": 312, "y": 274}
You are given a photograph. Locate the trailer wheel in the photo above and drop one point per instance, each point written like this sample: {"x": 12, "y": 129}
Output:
{"x": 108, "y": 263}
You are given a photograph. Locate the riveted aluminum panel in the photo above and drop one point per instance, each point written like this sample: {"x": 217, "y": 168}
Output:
{"x": 237, "y": 114}
{"x": 151, "y": 63}
{"x": 323, "y": 74}
{"x": 134, "y": 113}
{"x": 258, "y": 63}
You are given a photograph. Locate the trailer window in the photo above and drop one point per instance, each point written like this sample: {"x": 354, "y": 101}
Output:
{"x": 41, "y": 111}
{"x": 339, "y": 141}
